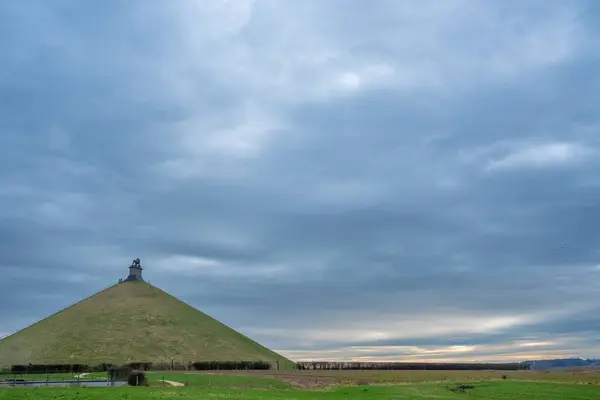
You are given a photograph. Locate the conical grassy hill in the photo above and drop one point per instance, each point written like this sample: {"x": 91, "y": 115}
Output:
{"x": 130, "y": 322}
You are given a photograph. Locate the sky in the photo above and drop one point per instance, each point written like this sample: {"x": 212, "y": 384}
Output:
{"x": 339, "y": 180}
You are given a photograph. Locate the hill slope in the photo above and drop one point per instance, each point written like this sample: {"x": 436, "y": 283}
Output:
{"x": 130, "y": 322}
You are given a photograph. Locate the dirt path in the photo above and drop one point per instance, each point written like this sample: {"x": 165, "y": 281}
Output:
{"x": 173, "y": 383}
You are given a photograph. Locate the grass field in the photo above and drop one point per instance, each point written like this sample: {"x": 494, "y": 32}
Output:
{"x": 495, "y": 390}
{"x": 329, "y": 379}
{"x": 130, "y": 322}
{"x": 333, "y": 377}
{"x": 222, "y": 381}
{"x": 526, "y": 385}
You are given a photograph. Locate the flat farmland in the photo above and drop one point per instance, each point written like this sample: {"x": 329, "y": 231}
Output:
{"x": 328, "y": 378}
{"x": 337, "y": 385}
{"x": 490, "y": 390}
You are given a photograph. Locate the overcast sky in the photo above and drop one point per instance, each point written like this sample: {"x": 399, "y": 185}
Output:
{"x": 340, "y": 179}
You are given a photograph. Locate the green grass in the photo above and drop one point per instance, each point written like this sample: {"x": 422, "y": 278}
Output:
{"x": 503, "y": 390}
{"x": 349, "y": 377}
{"x": 221, "y": 381}
{"x": 130, "y": 322}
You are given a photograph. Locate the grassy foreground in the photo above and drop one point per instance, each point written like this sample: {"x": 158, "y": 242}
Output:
{"x": 505, "y": 390}
{"x": 327, "y": 379}
{"x": 220, "y": 381}
{"x": 336, "y": 377}
{"x": 130, "y": 322}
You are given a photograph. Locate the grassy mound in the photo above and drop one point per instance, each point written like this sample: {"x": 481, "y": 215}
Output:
{"x": 131, "y": 322}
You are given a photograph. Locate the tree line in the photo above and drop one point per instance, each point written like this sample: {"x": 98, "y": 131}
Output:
{"x": 262, "y": 365}
{"x": 328, "y": 365}
{"x": 145, "y": 366}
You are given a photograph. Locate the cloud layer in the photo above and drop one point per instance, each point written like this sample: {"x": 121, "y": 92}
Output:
{"x": 377, "y": 181}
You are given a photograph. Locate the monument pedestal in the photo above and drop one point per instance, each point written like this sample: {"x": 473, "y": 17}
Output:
{"x": 135, "y": 272}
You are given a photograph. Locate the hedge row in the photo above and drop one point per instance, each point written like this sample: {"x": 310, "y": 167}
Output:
{"x": 324, "y": 365}
{"x": 145, "y": 366}
{"x": 261, "y": 365}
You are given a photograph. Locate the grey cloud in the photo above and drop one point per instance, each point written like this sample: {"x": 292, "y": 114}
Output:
{"x": 373, "y": 203}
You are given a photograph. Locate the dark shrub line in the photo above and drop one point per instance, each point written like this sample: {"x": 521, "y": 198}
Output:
{"x": 262, "y": 365}
{"x": 144, "y": 366}
{"x": 396, "y": 366}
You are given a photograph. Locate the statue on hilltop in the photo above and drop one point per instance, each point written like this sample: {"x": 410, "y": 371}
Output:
{"x": 135, "y": 271}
